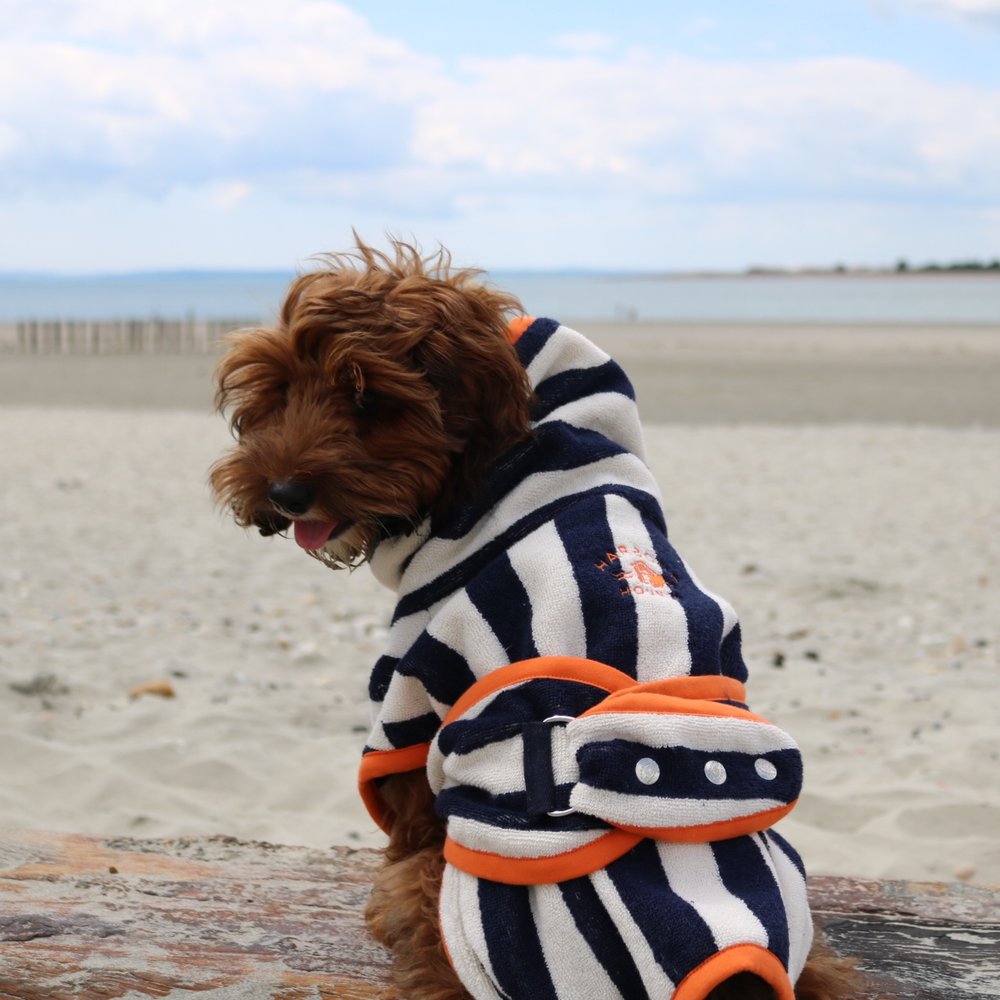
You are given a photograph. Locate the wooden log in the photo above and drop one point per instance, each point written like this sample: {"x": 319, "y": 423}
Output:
{"x": 914, "y": 940}
{"x": 84, "y": 917}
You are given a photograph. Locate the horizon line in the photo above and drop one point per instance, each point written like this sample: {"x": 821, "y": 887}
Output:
{"x": 901, "y": 268}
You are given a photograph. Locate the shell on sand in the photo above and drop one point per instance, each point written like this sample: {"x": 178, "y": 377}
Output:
{"x": 160, "y": 687}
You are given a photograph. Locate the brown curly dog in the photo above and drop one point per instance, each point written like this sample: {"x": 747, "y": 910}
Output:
{"x": 393, "y": 416}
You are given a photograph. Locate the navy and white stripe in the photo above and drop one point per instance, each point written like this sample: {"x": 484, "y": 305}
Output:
{"x": 549, "y": 560}
{"x": 565, "y": 553}
{"x": 631, "y": 930}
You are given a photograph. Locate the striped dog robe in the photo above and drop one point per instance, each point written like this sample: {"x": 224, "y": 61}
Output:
{"x": 576, "y": 696}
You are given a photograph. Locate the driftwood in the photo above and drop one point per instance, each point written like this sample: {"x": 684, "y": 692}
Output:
{"x": 220, "y": 919}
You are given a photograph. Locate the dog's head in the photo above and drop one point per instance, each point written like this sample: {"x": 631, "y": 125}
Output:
{"x": 379, "y": 398}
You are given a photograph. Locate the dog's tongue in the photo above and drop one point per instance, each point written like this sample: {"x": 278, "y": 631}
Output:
{"x": 314, "y": 535}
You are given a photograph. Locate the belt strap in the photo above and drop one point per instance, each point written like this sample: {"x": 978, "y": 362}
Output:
{"x": 551, "y": 768}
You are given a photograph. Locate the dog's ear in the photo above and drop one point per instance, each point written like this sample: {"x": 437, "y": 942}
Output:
{"x": 352, "y": 381}
{"x": 483, "y": 387}
{"x": 377, "y": 383}
{"x": 363, "y": 403}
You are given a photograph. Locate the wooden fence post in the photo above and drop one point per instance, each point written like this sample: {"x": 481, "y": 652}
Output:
{"x": 154, "y": 335}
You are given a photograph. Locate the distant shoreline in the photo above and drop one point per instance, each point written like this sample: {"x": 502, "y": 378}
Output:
{"x": 991, "y": 270}
{"x": 985, "y": 270}
{"x": 929, "y": 271}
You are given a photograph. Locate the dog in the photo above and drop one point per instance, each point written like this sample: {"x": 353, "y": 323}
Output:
{"x": 577, "y": 799}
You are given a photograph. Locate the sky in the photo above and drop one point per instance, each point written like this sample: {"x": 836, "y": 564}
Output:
{"x": 544, "y": 135}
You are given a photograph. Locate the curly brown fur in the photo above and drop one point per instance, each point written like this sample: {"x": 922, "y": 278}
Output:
{"x": 379, "y": 398}
{"x": 385, "y": 390}
{"x": 827, "y": 975}
{"x": 403, "y": 910}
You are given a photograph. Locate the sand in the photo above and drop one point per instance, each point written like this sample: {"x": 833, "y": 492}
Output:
{"x": 860, "y": 542}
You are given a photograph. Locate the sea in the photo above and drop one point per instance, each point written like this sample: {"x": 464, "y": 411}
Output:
{"x": 571, "y": 297}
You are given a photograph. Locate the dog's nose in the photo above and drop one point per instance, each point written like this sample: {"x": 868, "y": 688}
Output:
{"x": 291, "y": 497}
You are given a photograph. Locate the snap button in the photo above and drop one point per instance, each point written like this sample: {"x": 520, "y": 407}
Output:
{"x": 765, "y": 769}
{"x": 647, "y": 771}
{"x": 715, "y": 772}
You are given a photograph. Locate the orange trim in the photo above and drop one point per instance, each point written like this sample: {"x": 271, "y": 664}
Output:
{"x": 707, "y": 832}
{"x": 698, "y": 983}
{"x": 380, "y": 764}
{"x": 541, "y": 871}
{"x": 572, "y": 668}
{"x": 640, "y": 701}
{"x": 705, "y": 687}
{"x": 517, "y": 326}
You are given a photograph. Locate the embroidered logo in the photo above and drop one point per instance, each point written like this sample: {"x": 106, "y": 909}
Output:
{"x": 638, "y": 572}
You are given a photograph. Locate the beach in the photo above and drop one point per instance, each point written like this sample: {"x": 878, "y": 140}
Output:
{"x": 840, "y": 486}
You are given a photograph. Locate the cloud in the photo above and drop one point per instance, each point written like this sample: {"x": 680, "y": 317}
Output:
{"x": 681, "y": 127}
{"x": 985, "y": 12}
{"x": 147, "y": 95}
{"x": 305, "y": 101}
{"x": 231, "y": 194}
{"x": 963, "y": 6}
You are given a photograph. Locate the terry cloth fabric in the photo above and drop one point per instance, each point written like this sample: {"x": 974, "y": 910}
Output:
{"x": 664, "y": 850}
{"x": 564, "y": 554}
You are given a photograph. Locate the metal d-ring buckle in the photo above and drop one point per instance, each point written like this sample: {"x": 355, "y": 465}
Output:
{"x": 552, "y": 719}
